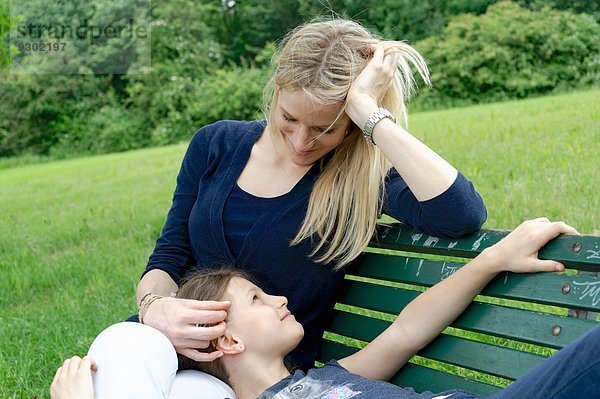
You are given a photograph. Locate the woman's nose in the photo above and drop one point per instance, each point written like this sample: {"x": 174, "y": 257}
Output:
{"x": 301, "y": 139}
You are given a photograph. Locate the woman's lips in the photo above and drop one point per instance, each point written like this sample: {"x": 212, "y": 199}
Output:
{"x": 300, "y": 153}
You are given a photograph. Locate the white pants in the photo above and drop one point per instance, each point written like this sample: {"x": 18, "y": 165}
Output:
{"x": 138, "y": 361}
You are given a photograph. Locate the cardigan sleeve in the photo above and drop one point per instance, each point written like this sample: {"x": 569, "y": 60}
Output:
{"x": 456, "y": 212}
{"x": 173, "y": 252}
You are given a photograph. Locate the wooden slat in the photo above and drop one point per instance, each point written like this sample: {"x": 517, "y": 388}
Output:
{"x": 527, "y": 326}
{"x": 576, "y": 252}
{"x": 551, "y": 331}
{"x": 426, "y": 379}
{"x": 411, "y": 375}
{"x": 496, "y": 360}
{"x": 491, "y": 359}
{"x": 583, "y": 291}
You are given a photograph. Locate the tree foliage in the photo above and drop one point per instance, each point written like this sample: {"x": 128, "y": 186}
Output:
{"x": 398, "y": 19}
{"x": 210, "y": 60}
{"x": 245, "y": 27}
{"x": 5, "y": 26}
{"x": 589, "y": 7}
{"x": 512, "y": 52}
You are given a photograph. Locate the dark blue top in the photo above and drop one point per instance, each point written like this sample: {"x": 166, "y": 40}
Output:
{"x": 242, "y": 211}
{"x": 194, "y": 233}
{"x": 334, "y": 381}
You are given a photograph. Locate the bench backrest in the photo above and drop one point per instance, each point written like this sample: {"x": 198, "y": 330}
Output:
{"x": 515, "y": 323}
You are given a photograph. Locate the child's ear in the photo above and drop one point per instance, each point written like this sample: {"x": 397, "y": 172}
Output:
{"x": 229, "y": 344}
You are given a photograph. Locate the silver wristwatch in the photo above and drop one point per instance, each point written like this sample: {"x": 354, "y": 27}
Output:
{"x": 375, "y": 117}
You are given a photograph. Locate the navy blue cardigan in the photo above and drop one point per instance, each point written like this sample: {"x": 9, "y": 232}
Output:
{"x": 193, "y": 236}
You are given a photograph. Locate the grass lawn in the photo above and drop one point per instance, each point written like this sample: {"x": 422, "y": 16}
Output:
{"x": 77, "y": 233}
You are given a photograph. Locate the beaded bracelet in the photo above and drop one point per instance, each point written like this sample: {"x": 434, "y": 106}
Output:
{"x": 145, "y": 304}
{"x": 144, "y": 297}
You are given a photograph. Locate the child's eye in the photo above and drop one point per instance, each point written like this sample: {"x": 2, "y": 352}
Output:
{"x": 288, "y": 119}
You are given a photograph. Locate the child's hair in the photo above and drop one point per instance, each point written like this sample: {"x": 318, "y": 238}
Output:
{"x": 208, "y": 284}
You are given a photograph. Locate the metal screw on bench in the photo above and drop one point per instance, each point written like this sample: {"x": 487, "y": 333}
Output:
{"x": 577, "y": 247}
{"x": 556, "y": 330}
{"x": 566, "y": 288}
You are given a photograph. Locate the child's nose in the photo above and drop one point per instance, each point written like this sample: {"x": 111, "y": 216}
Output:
{"x": 281, "y": 301}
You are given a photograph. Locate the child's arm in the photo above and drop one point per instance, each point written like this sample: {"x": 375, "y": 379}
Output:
{"x": 432, "y": 311}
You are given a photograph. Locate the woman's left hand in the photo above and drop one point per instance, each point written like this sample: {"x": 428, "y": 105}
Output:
{"x": 369, "y": 87}
{"x": 518, "y": 251}
{"x": 74, "y": 379}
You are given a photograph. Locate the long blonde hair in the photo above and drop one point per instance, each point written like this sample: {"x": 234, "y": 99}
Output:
{"x": 323, "y": 58}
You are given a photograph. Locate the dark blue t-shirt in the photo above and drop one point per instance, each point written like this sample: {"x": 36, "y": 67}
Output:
{"x": 332, "y": 381}
{"x": 241, "y": 213}
{"x": 211, "y": 223}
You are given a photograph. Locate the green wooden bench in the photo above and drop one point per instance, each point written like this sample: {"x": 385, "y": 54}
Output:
{"x": 517, "y": 321}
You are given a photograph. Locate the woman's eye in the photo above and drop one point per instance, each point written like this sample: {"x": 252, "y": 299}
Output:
{"x": 323, "y": 130}
{"x": 288, "y": 119}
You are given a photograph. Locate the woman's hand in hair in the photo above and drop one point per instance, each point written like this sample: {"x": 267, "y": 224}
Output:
{"x": 73, "y": 380}
{"x": 189, "y": 324}
{"x": 371, "y": 85}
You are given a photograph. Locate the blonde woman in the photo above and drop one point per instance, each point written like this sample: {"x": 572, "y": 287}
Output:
{"x": 293, "y": 199}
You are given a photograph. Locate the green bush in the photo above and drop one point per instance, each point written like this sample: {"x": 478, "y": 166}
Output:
{"x": 511, "y": 52}
{"x": 229, "y": 94}
{"x": 111, "y": 128}
{"x": 5, "y": 26}
{"x": 39, "y": 110}
{"x": 577, "y": 6}
{"x": 234, "y": 93}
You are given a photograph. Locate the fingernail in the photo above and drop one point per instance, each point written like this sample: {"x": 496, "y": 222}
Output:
{"x": 220, "y": 354}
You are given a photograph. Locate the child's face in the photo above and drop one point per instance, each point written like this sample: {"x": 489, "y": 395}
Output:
{"x": 262, "y": 321}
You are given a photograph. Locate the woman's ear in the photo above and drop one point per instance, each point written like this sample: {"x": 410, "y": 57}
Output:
{"x": 229, "y": 344}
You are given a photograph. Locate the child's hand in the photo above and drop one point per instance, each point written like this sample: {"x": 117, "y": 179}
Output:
{"x": 74, "y": 379}
{"x": 518, "y": 251}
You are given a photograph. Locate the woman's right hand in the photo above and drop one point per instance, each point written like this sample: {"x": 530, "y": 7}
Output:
{"x": 189, "y": 324}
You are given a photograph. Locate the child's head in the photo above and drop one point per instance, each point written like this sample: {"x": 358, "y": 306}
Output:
{"x": 258, "y": 324}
